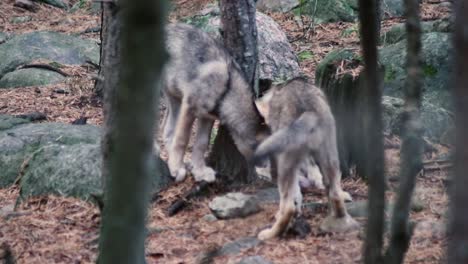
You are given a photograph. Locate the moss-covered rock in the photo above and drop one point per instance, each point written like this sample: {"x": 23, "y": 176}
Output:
{"x": 437, "y": 70}
{"x": 30, "y": 77}
{"x": 438, "y": 123}
{"x": 397, "y": 33}
{"x": 7, "y": 121}
{"x": 325, "y": 11}
{"x": 20, "y": 142}
{"x": 53, "y": 158}
{"x": 50, "y": 46}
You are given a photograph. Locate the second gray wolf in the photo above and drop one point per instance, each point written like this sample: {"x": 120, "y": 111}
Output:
{"x": 302, "y": 126}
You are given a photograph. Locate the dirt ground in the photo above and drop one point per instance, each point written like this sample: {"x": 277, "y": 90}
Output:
{"x": 65, "y": 230}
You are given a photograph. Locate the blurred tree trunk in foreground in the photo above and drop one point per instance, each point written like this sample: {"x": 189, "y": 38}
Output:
{"x": 240, "y": 38}
{"x": 458, "y": 226}
{"x": 134, "y": 54}
{"x": 373, "y": 147}
{"x": 411, "y": 148}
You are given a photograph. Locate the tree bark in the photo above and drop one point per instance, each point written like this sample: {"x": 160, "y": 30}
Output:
{"x": 411, "y": 149}
{"x": 373, "y": 146}
{"x": 134, "y": 57}
{"x": 240, "y": 38}
{"x": 458, "y": 227}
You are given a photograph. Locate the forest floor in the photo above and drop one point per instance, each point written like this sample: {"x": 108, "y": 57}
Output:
{"x": 65, "y": 230}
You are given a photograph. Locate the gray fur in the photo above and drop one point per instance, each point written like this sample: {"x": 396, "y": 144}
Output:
{"x": 303, "y": 126}
{"x": 201, "y": 81}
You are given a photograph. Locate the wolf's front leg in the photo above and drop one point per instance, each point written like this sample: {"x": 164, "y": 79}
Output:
{"x": 200, "y": 171}
{"x": 180, "y": 141}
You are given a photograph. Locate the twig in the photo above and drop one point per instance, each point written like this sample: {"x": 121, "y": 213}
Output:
{"x": 178, "y": 205}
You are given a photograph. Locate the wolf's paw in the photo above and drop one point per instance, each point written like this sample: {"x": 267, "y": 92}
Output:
{"x": 266, "y": 234}
{"x": 341, "y": 224}
{"x": 180, "y": 174}
{"x": 204, "y": 174}
{"x": 346, "y": 196}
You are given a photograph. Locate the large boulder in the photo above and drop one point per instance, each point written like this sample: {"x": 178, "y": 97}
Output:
{"x": 54, "y": 158}
{"x": 53, "y": 47}
{"x": 438, "y": 123}
{"x": 436, "y": 63}
{"x": 277, "y": 60}
{"x": 397, "y": 32}
{"x": 276, "y": 5}
{"x": 325, "y": 11}
{"x": 30, "y": 77}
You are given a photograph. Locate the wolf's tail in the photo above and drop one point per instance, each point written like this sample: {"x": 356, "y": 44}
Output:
{"x": 293, "y": 137}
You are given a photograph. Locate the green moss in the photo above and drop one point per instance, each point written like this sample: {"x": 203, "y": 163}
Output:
{"x": 390, "y": 74}
{"x": 305, "y": 55}
{"x": 429, "y": 70}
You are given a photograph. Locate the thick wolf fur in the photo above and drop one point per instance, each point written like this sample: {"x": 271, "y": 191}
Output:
{"x": 201, "y": 80}
{"x": 303, "y": 126}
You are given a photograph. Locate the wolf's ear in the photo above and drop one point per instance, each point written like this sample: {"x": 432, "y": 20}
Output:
{"x": 263, "y": 104}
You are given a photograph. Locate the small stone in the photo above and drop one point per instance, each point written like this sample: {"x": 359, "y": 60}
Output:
{"x": 254, "y": 260}
{"x": 235, "y": 247}
{"x": 209, "y": 218}
{"x": 26, "y": 4}
{"x": 20, "y": 19}
{"x": 358, "y": 208}
{"x": 233, "y": 205}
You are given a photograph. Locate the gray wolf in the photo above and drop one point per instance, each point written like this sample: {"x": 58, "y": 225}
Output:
{"x": 202, "y": 81}
{"x": 302, "y": 126}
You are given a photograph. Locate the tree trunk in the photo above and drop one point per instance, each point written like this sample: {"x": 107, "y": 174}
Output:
{"x": 458, "y": 228}
{"x": 345, "y": 93}
{"x": 240, "y": 38}
{"x": 411, "y": 149}
{"x": 373, "y": 146}
{"x": 134, "y": 55}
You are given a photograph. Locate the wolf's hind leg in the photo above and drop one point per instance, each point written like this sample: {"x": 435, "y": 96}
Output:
{"x": 288, "y": 186}
{"x": 170, "y": 119}
{"x": 338, "y": 219}
{"x": 200, "y": 171}
{"x": 179, "y": 143}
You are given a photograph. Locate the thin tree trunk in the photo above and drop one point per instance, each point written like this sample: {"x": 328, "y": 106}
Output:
{"x": 411, "y": 149}
{"x": 135, "y": 54}
{"x": 240, "y": 38}
{"x": 458, "y": 228}
{"x": 373, "y": 148}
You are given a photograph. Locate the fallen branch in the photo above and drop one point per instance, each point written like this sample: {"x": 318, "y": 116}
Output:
{"x": 46, "y": 67}
{"x": 181, "y": 203}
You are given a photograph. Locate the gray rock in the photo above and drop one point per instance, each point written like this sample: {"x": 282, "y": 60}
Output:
{"x": 30, "y": 77}
{"x": 55, "y": 158}
{"x": 437, "y": 69}
{"x": 397, "y": 32}
{"x": 210, "y": 218}
{"x": 20, "y": 19}
{"x": 233, "y": 205}
{"x": 438, "y": 123}
{"x": 67, "y": 170}
{"x": 49, "y": 46}
{"x": 268, "y": 195}
{"x": 7, "y": 121}
{"x": 235, "y": 247}
{"x": 276, "y": 5}
{"x": 277, "y": 60}
{"x": 392, "y": 8}
{"x": 56, "y": 3}
{"x": 325, "y": 11}
{"x": 433, "y": 229}
{"x": 357, "y": 208}
{"x": 20, "y": 142}
{"x": 254, "y": 260}
{"x": 3, "y": 37}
